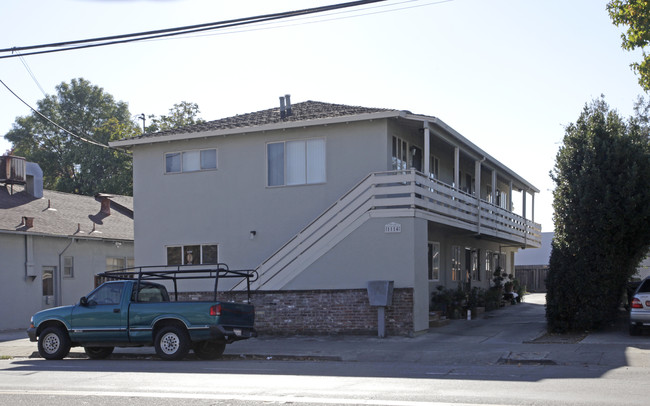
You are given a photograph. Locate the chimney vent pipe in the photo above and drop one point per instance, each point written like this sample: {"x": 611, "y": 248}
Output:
{"x": 28, "y": 222}
{"x": 282, "y": 110}
{"x": 106, "y": 206}
{"x": 287, "y": 97}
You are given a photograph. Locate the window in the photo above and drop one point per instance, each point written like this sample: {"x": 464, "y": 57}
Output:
{"x": 115, "y": 263}
{"x": 295, "y": 162}
{"x": 399, "y": 154}
{"x": 48, "y": 281}
{"x": 191, "y": 161}
{"x": 455, "y": 263}
{"x": 434, "y": 261}
{"x": 434, "y": 164}
{"x": 502, "y": 199}
{"x": 108, "y": 294}
{"x": 488, "y": 266}
{"x": 476, "y": 274}
{"x": 68, "y": 267}
{"x": 192, "y": 254}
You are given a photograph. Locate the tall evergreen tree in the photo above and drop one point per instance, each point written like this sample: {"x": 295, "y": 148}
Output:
{"x": 601, "y": 216}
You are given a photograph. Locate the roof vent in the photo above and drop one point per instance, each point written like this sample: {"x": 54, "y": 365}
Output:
{"x": 283, "y": 112}
{"x": 28, "y": 222}
{"x": 106, "y": 206}
{"x": 287, "y": 98}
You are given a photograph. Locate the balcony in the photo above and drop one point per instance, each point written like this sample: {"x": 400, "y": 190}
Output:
{"x": 394, "y": 194}
{"x": 444, "y": 204}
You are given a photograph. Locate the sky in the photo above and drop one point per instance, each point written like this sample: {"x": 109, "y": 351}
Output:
{"x": 509, "y": 75}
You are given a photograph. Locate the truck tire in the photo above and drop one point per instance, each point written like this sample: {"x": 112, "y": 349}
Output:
{"x": 172, "y": 343}
{"x": 54, "y": 343}
{"x": 209, "y": 350}
{"x": 98, "y": 352}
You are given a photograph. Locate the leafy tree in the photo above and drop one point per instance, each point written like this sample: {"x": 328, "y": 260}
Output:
{"x": 181, "y": 115}
{"x": 635, "y": 14}
{"x": 70, "y": 163}
{"x": 601, "y": 216}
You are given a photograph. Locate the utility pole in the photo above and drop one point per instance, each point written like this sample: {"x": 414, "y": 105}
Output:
{"x": 142, "y": 117}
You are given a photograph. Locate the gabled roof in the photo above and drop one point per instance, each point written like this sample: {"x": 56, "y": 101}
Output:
{"x": 313, "y": 113}
{"x": 300, "y": 112}
{"x": 64, "y": 214}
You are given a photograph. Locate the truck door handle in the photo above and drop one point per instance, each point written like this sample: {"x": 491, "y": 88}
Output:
{"x": 116, "y": 310}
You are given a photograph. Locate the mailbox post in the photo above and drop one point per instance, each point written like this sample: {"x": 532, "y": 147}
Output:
{"x": 380, "y": 295}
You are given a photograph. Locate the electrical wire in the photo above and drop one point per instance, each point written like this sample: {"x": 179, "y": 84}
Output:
{"x": 32, "y": 75}
{"x": 169, "y": 32}
{"x": 57, "y": 125}
{"x": 301, "y": 21}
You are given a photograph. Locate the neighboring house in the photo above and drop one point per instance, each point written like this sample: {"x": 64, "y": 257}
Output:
{"x": 323, "y": 198}
{"x": 52, "y": 244}
{"x": 531, "y": 265}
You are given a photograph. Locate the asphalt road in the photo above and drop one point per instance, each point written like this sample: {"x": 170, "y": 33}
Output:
{"x": 246, "y": 382}
{"x": 503, "y": 358}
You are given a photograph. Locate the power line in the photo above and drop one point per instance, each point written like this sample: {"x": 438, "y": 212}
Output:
{"x": 57, "y": 125}
{"x": 156, "y": 34}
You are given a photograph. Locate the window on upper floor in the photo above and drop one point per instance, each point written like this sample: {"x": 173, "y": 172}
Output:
{"x": 191, "y": 161}
{"x": 296, "y": 162}
{"x": 399, "y": 154}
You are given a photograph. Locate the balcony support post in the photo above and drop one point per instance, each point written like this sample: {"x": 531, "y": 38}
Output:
{"x": 427, "y": 149}
{"x": 477, "y": 190}
{"x": 457, "y": 168}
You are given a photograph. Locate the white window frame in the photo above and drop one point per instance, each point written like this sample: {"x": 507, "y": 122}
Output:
{"x": 456, "y": 264}
{"x": 182, "y": 165}
{"x": 68, "y": 267}
{"x": 399, "y": 152}
{"x": 305, "y": 161}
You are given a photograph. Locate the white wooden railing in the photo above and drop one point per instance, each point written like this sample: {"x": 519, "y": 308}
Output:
{"x": 393, "y": 194}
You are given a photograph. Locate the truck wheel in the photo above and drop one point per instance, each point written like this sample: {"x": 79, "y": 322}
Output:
{"x": 98, "y": 352}
{"x": 172, "y": 343}
{"x": 209, "y": 349}
{"x": 54, "y": 343}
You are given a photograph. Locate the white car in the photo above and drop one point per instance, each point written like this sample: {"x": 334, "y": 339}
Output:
{"x": 640, "y": 307}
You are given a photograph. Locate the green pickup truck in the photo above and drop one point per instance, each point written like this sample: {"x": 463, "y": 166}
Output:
{"x": 130, "y": 310}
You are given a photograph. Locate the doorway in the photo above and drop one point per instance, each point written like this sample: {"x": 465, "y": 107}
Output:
{"x": 47, "y": 280}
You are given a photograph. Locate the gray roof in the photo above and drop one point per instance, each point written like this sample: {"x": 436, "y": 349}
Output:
{"x": 67, "y": 215}
{"x": 309, "y": 110}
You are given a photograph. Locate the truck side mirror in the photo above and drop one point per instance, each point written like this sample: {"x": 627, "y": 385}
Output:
{"x": 83, "y": 301}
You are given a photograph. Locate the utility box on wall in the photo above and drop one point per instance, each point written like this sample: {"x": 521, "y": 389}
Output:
{"x": 380, "y": 295}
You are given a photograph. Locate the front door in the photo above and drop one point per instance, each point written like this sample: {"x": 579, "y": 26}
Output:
{"x": 47, "y": 280}
{"x": 103, "y": 318}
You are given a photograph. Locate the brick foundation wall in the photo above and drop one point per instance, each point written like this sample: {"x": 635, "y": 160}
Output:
{"x": 322, "y": 312}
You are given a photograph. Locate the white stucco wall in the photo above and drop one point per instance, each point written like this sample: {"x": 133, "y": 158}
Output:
{"x": 22, "y": 296}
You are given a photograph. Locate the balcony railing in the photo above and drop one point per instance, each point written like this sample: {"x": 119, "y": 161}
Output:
{"x": 394, "y": 194}
{"x": 445, "y": 204}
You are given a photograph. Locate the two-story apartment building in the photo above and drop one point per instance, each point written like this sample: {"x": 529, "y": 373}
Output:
{"x": 322, "y": 198}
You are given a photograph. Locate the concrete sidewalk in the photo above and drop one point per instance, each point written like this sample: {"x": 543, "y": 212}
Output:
{"x": 511, "y": 335}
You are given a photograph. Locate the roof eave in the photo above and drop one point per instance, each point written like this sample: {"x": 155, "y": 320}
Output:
{"x": 266, "y": 127}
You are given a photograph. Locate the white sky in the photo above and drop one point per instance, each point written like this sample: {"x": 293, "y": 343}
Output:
{"x": 507, "y": 74}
